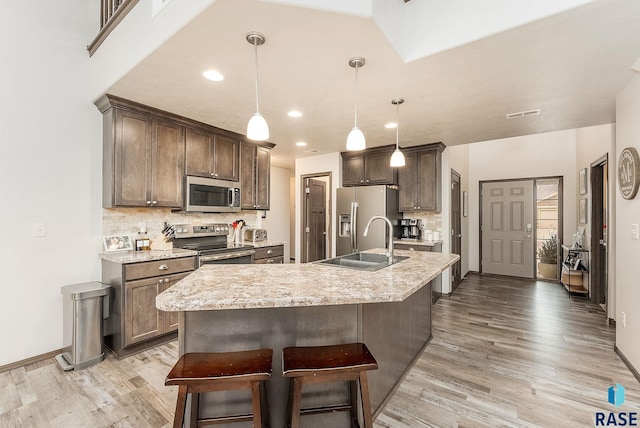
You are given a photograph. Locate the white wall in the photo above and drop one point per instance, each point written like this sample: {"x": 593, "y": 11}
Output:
{"x": 539, "y": 155}
{"x": 627, "y": 213}
{"x": 277, "y": 221}
{"x": 51, "y": 172}
{"x": 331, "y": 162}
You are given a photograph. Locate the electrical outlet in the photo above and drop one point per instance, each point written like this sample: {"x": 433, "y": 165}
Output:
{"x": 623, "y": 317}
{"x": 39, "y": 229}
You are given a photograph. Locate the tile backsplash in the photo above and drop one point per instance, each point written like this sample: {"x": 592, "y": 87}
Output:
{"x": 430, "y": 220}
{"x": 126, "y": 221}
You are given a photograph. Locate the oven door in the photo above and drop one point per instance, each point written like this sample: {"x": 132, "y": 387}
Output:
{"x": 236, "y": 257}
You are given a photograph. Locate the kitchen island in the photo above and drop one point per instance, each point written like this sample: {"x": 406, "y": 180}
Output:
{"x": 237, "y": 307}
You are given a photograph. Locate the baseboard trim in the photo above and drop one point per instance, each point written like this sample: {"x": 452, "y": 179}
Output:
{"x": 28, "y": 361}
{"x": 627, "y": 363}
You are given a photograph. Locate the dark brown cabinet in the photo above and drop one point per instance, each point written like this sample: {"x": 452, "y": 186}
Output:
{"x": 269, "y": 255}
{"x": 143, "y": 159}
{"x": 212, "y": 155}
{"x": 134, "y": 322}
{"x": 255, "y": 165}
{"x": 419, "y": 180}
{"x": 367, "y": 168}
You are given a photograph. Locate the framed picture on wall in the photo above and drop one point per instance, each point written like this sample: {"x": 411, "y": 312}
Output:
{"x": 582, "y": 181}
{"x": 582, "y": 211}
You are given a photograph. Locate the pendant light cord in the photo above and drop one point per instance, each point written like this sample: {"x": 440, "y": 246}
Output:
{"x": 397, "y": 123}
{"x": 355, "y": 121}
{"x": 255, "y": 46}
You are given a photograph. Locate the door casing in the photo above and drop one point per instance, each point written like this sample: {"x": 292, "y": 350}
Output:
{"x": 305, "y": 208}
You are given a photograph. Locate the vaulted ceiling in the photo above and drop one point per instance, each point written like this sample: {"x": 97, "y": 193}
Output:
{"x": 570, "y": 65}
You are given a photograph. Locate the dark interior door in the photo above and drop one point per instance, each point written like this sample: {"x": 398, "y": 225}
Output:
{"x": 316, "y": 220}
{"x": 599, "y": 232}
{"x": 456, "y": 229}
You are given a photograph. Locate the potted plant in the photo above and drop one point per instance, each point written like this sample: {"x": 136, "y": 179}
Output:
{"x": 548, "y": 255}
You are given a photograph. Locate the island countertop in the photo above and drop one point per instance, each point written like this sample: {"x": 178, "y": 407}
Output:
{"x": 234, "y": 286}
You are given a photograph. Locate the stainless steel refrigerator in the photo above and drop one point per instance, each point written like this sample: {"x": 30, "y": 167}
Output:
{"x": 355, "y": 206}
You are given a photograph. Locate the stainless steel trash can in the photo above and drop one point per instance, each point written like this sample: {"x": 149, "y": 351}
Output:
{"x": 83, "y": 307}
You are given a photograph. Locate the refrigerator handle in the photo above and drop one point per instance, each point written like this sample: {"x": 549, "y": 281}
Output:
{"x": 354, "y": 227}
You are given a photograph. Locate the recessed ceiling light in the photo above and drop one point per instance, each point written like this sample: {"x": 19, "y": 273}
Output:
{"x": 301, "y": 144}
{"x": 391, "y": 125}
{"x": 295, "y": 113}
{"x": 214, "y": 75}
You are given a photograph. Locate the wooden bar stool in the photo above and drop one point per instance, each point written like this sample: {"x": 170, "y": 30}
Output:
{"x": 207, "y": 371}
{"x": 334, "y": 363}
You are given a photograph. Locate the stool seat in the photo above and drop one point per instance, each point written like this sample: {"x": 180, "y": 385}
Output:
{"x": 332, "y": 363}
{"x": 199, "y": 372}
{"x": 308, "y": 360}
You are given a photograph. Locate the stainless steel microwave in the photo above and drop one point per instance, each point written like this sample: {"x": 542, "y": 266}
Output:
{"x": 208, "y": 195}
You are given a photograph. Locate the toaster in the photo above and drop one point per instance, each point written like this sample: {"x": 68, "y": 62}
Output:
{"x": 255, "y": 235}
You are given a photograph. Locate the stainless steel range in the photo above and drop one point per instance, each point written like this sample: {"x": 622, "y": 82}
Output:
{"x": 210, "y": 241}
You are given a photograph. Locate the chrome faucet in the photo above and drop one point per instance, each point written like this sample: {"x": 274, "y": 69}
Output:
{"x": 390, "y": 250}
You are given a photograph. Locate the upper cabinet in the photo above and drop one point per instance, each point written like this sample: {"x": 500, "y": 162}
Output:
{"x": 419, "y": 180}
{"x": 212, "y": 155}
{"x": 147, "y": 153}
{"x": 143, "y": 160}
{"x": 368, "y": 167}
{"x": 255, "y": 164}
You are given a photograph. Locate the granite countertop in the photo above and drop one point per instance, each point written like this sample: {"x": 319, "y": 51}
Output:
{"x": 219, "y": 287}
{"x": 146, "y": 256}
{"x": 416, "y": 242}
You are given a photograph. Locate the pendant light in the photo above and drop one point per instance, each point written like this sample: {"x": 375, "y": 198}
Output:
{"x": 355, "y": 140}
{"x": 257, "y": 129}
{"x": 397, "y": 158}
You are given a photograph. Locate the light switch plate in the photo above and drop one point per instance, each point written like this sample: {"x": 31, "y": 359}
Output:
{"x": 635, "y": 232}
{"x": 39, "y": 229}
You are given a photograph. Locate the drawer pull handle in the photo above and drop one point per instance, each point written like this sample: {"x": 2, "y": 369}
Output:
{"x": 269, "y": 251}
{"x": 270, "y": 261}
{"x": 163, "y": 267}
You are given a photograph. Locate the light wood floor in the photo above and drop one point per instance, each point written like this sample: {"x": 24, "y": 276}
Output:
{"x": 505, "y": 353}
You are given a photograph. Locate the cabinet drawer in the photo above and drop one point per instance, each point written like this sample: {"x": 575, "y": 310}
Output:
{"x": 269, "y": 261}
{"x": 269, "y": 252}
{"x": 412, "y": 247}
{"x": 158, "y": 267}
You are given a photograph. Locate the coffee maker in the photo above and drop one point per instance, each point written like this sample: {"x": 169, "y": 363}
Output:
{"x": 411, "y": 228}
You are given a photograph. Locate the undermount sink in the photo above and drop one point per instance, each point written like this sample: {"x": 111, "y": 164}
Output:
{"x": 362, "y": 261}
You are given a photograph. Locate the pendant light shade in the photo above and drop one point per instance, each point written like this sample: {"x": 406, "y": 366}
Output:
{"x": 257, "y": 129}
{"x": 397, "y": 158}
{"x": 356, "y": 140}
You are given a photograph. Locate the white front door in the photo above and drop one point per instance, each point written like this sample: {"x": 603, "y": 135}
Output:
{"x": 507, "y": 228}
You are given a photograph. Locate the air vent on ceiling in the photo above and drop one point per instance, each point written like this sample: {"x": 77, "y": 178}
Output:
{"x": 523, "y": 113}
{"x": 312, "y": 151}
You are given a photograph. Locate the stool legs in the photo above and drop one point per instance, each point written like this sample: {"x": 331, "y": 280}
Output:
{"x": 295, "y": 398}
{"x": 366, "y": 403}
{"x": 180, "y": 405}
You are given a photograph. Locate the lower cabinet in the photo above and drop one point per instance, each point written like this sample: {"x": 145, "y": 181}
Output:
{"x": 134, "y": 322}
{"x": 142, "y": 320}
{"x": 269, "y": 255}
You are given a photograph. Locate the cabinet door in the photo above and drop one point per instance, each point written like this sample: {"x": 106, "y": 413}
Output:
{"x": 377, "y": 168}
{"x": 428, "y": 181}
{"x": 167, "y": 164}
{"x": 226, "y": 158}
{"x": 248, "y": 176}
{"x": 263, "y": 174}
{"x": 199, "y": 152}
{"x": 353, "y": 170}
{"x": 407, "y": 183}
{"x": 142, "y": 320}
{"x": 171, "y": 318}
{"x": 132, "y": 161}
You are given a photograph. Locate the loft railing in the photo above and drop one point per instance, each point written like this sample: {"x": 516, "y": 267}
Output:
{"x": 111, "y": 13}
